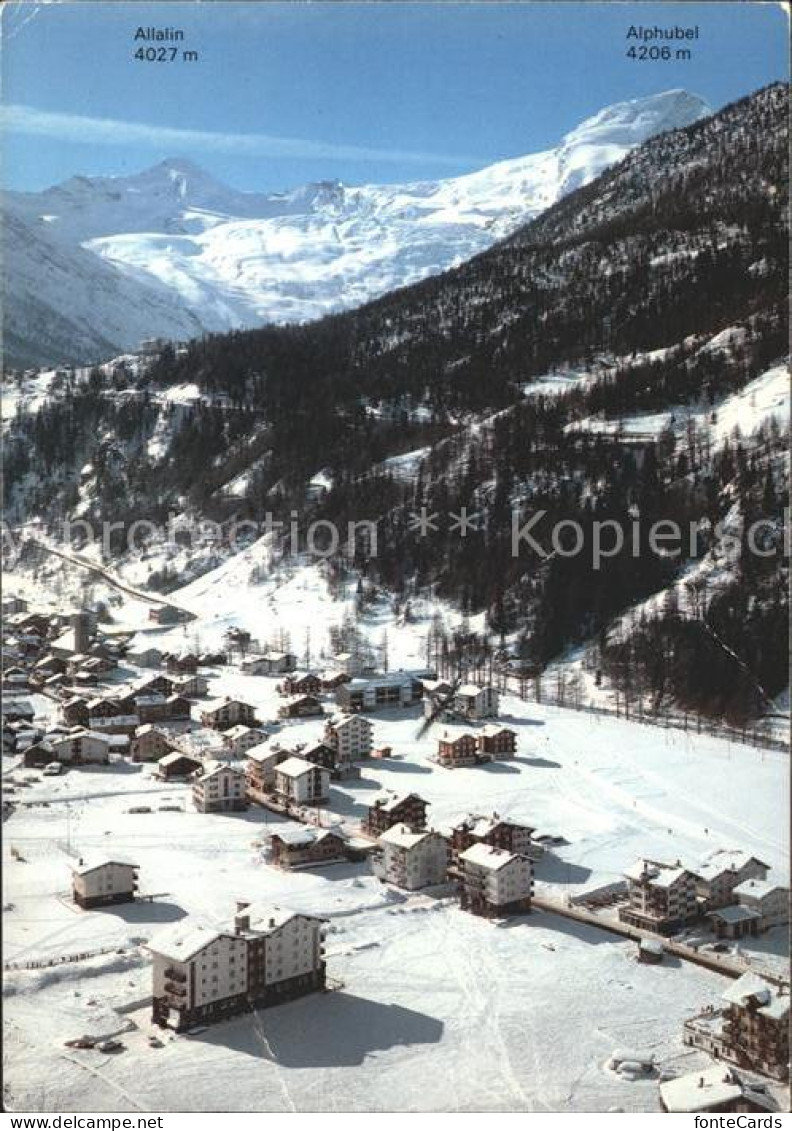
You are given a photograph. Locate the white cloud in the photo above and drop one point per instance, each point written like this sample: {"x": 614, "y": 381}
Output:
{"x": 112, "y": 131}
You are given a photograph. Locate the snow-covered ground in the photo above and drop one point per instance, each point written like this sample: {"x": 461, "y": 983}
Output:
{"x": 437, "y": 1011}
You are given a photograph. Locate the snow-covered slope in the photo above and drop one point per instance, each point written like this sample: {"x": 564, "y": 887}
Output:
{"x": 187, "y": 253}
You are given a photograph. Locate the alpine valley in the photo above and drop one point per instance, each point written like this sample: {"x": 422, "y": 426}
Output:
{"x": 598, "y": 332}
{"x": 94, "y": 264}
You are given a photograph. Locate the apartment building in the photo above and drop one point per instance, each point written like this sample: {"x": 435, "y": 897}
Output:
{"x": 219, "y": 788}
{"x": 202, "y": 975}
{"x": 350, "y": 736}
{"x": 393, "y": 809}
{"x": 662, "y": 897}
{"x": 495, "y": 882}
{"x": 412, "y": 860}
{"x": 298, "y": 782}
{"x": 101, "y": 881}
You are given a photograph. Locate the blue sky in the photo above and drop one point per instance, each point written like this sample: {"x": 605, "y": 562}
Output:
{"x": 286, "y": 93}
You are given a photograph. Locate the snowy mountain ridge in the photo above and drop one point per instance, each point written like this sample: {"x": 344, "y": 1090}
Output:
{"x": 192, "y": 254}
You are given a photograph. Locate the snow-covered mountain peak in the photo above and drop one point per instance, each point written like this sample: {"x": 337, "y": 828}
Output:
{"x": 636, "y": 120}
{"x": 227, "y": 258}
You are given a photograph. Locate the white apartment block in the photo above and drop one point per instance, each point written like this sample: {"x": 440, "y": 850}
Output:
{"x": 662, "y": 897}
{"x": 219, "y": 788}
{"x": 412, "y": 860}
{"x": 476, "y": 702}
{"x": 350, "y": 736}
{"x": 101, "y": 881}
{"x": 495, "y": 881}
{"x": 200, "y": 974}
{"x": 302, "y": 783}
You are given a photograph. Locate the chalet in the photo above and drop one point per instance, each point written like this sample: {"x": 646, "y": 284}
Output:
{"x": 17, "y": 709}
{"x": 224, "y": 713}
{"x": 146, "y": 657}
{"x": 301, "y": 683}
{"x": 306, "y": 847}
{"x": 219, "y": 788}
{"x": 76, "y": 747}
{"x": 494, "y": 831}
{"x": 756, "y": 1026}
{"x": 152, "y": 685}
{"x": 412, "y": 860}
{"x": 149, "y": 744}
{"x": 713, "y": 1089}
{"x": 350, "y": 736}
{"x": 768, "y": 900}
{"x": 179, "y": 708}
{"x": 167, "y": 614}
{"x": 237, "y": 740}
{"x": 181, "y": 663}
{"x": 457, "y": 747}
{"x": 473, "y": 702}
{"x": 407, "y": 809}
{"x": 190, "y": 686}
{"x": 152, "y": 708}
{"x": 49, "y": 665}
{"x": 201, "y": 975}
{"x": 721, "y": 872}
{"x": 260, "y": 763}
{"x": 662, "y": 897}
{"x": 271, "y": 663}
{"x": 320, "y": 754}
{"x": 99, "y": 882}
{"x": 298, "y": 782}
{"x": 75, "y": 711}
{"x": 331, "y": 680}
{"x": 496, "y": 742}
{"x": 303, "y": 706}
{"x": 395, "y": 689}
{"x": 495, "y": 882}
{"x": 114, "y": 724}
{"x": 16, "y": 679}
{"x": 176, "y": 766}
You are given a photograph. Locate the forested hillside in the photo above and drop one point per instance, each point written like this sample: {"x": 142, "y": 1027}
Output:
{"x": 578, "y": 368}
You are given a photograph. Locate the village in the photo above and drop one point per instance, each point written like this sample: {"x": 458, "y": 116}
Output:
{"x": 304, "y": 765}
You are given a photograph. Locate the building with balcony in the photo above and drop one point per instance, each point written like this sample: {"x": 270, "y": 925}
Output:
{"x": 393, "y": 809}
{"x": 102, "y": 881}
{"x": 473, "y": 702}
{"x": 494, "y": 831}
{"x": 350, "y": 736}
{"x": 219, "y": 788}
{"x": 662, "y": 897}
{"x": 495, "y": 882}
{"x": 457, "y": 747}
{"x": 721, "y": 873}
{"x": 298, "y": 782}
{"x": 412, "y": 860}
{"x": 224, "y": 713}
{"x": 202, "y": 975}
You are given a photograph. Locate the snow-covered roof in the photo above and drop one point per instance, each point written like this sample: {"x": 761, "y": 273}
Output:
{"x": 184, "y": 940}
{"x": 492, "y": 729}
{"x": 700, "y": 1091}
{"x": 176, "y": 756}
{"x": 387, "y": 802}
{"x": 470, "y": 689}
{"x": 263, "y": 920}
{"x": 728, "y": 859}
{"x": 296, "y": 767}
{"x": 736, "y": 914}
{"x": 304, "y": 836}
{"x": 211, "y": 769}
{"x": 402, "y": 836}
{"x": 91, "y": 864}
{"x": 757, "y": 889}
{"x": 261, "y": 752}
{"x": 454, "y": 733}
{"x": 340, "y": 720}
{"x": 771, "y": 1002}
{"x": 239, "y": 731}
{"x": 485, "y": 856}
